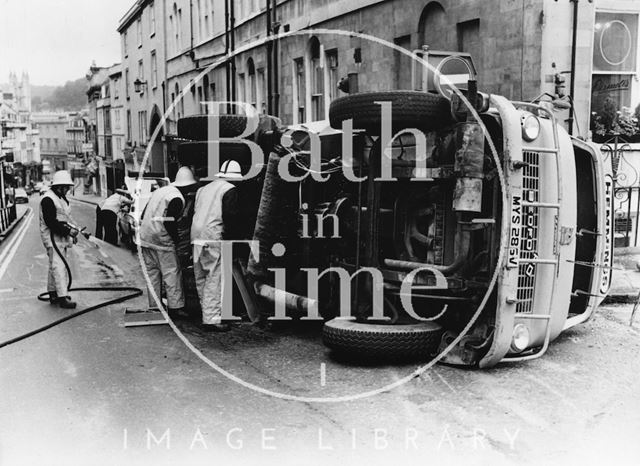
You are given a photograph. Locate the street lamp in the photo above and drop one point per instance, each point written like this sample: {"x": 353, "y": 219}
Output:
{"x": 139, "y": 86}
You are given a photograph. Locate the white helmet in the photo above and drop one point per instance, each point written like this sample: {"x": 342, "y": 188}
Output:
{"x": 184, "y": 177}
{"x": 62, "y": 178}
{"x": 231, "y": 170}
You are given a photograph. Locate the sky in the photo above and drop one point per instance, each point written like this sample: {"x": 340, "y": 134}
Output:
{"x": 56, "y": 40}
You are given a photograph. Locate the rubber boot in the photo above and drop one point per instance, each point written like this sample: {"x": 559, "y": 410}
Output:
{"x": 53, "y": 297}
{"x": 178, "y": 314}
{"x": 66, "y": 303}
{"x": 217, "y": 328}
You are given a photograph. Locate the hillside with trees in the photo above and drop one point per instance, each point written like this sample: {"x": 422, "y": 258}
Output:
{"x": 69, "y": 97}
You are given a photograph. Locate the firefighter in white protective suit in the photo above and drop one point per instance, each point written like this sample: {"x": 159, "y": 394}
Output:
{"x": 215, "y": 219}
{"x": 55, "y": 217}
{"x": 158, "y": 237}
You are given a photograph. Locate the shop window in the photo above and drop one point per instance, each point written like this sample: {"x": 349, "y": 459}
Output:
{"x": 615, "y": 94}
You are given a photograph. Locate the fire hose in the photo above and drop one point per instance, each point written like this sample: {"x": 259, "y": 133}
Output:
{"x": 135, "y": 292}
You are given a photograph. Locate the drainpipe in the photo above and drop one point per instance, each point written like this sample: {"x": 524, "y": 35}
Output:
{"x": 165, "y": 92}
{"x": 191, "y": 54}
{"x": 574, "y": 40}
{"x": 227, "y": 66}
{"x": 164, "y": 131}
{"x": 269, "y": 62}
{"x": 232, "y": 36}
{"x": 276, "y": 74}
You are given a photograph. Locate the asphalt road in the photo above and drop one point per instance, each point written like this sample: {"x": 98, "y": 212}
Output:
{"x": 93, "y": 392}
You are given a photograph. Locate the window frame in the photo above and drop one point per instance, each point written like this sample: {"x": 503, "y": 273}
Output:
{"x": 152, "y": 19}
{"x": 154, "y": 69}
{"x": 139, "y": 31}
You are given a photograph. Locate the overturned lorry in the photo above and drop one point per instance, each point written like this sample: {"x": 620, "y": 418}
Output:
{"x": 417, "y": 223}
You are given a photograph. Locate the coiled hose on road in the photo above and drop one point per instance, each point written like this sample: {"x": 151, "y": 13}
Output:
{"x": 135, "y": 292}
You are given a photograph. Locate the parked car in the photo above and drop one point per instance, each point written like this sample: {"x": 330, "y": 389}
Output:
{"x": 20, "y": 196}
{"x": 129, "y": 219}
{"x": 42, "y": 187}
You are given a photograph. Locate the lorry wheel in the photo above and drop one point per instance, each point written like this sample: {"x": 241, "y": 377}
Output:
{"x": 196, "y": 127}
{"x": 409, "y": 109}
{"x": 354, "y": 339}
{"x": 196, "y": 154}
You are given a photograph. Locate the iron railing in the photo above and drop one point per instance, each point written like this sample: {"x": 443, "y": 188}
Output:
{"x": 7, "y": 216}
{"x": 626, "y": 191}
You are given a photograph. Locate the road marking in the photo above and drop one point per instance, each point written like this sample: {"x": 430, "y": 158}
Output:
{"x": 7, "y": 255}
{"x": 323, "y": 374}
{"x": 445, "y": 382}
{"x": 7, "y": 290}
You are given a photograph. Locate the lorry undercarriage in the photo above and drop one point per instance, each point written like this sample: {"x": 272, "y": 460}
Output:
{"x": 390, "y": 223}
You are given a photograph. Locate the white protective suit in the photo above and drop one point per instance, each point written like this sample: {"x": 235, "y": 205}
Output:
{"x": 57, "y": 278}
{"x": 158, "y": 249}
{"x": 207, "y": 227}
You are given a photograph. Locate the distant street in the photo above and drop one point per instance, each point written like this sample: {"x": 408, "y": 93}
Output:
{"x": 95, "y": 387}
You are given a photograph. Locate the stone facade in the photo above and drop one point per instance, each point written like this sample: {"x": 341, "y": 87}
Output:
{"x": 142, "y": 35}
{"x": 518, "y": 47}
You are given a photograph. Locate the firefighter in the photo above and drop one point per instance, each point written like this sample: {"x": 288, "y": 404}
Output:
{"x": 55, "y": 217}
{"x": 108, "y": 213}
{"x": 215, "y": 219}
{"x": 158, "y": 238}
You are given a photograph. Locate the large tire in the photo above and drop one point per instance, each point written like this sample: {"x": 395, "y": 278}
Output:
{"x": 409, "y": 109}
{"x": 196, "y": 154}
{"x": 377, "y": 341}
{"x": 196, "y": 127}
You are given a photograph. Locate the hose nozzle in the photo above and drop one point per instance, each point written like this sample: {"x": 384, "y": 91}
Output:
{"x": 78, "y": 230}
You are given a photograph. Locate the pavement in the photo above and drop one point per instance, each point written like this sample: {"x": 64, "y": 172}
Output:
{"x": 625, "y": 279}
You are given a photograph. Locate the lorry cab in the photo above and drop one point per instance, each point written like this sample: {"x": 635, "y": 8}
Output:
{"x": 557, "y": 268}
